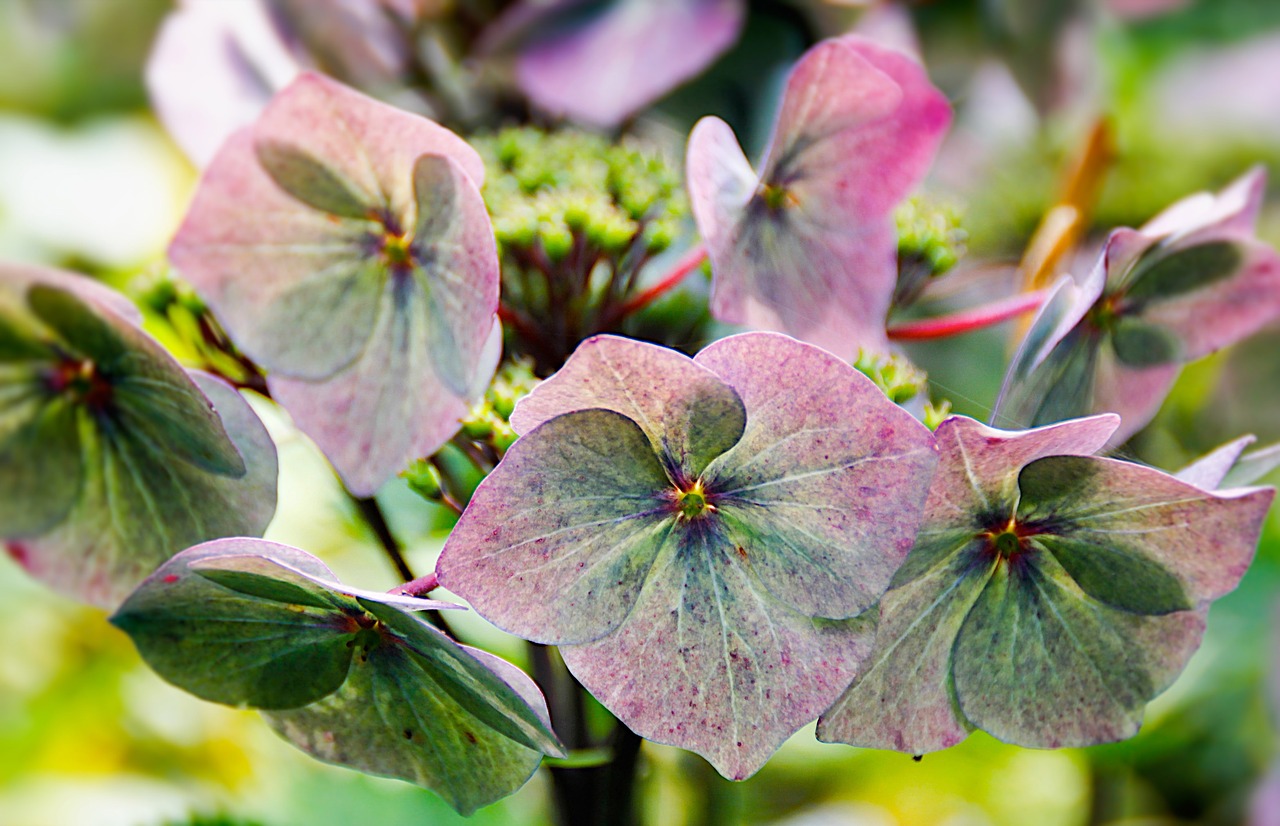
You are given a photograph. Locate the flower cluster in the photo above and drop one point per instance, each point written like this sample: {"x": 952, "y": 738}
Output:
{"x": 725, "y": 546}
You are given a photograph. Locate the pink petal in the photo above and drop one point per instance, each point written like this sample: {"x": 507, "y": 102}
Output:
{"x": 625, "y": 56}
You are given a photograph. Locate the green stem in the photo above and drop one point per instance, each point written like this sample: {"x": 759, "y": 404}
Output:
{"x": 591, "y": 795}
{"x": 373, "y": 516}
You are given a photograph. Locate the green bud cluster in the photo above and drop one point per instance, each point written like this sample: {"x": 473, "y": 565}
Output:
{"x": 183, "y": 322}
{"x": 158, "y": 292}
{"x": 930, "y": 232}
{"x": 901, "y": 381}
{"x": 490, "y": 419}
{"x": 895, "y": 375}
{"x": 935, "y": 412}
{"x": 930, "y": 242}
{"x": 550, "y": 189}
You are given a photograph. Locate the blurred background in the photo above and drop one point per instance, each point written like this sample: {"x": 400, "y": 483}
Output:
{"x": 90, "y": 180}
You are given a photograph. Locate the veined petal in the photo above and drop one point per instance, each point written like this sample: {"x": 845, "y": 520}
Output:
{"x": 823, "y": 494}
{"x": 688, "y": 413}
{"x": 560, "y": 538}
{"x": 710, "y": 661}
{"x": 811, "y": 252}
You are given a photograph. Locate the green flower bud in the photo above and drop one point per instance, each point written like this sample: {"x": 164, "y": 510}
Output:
{"x": 424, "y": 480}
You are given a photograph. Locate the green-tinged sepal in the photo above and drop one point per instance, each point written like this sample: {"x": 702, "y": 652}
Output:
{"x": 351, "y": 676}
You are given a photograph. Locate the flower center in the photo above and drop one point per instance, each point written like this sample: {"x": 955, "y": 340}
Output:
{"x": 692, "y": 503}
{"x": 777, "y": 197}
{"x": 1009, "y": 540}
{"x": 81, "y": 382}
{"x": 1006, "y": 544}
{"x": 1107, "y": 311}
{"x": 396, "y": 251}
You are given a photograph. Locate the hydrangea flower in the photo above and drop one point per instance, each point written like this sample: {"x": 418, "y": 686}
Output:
{"x": 1192, "y": 280}
{"x": 350, "y": 676}
{"x": 345, "y": 247}
{"x": 1050, "y": 596}
{"x": 112, "y": 456}
{"x": 700, "y": 536}
{"x": 807, "y": 246}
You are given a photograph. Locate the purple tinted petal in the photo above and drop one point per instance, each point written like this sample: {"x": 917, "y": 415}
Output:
{"x": 1231, "y": 213}
{"x": 604, "y": 68}
{"x": 212, "y": 69}
{"x": 689, "y": 414}
{"x": 812, "y": 251}
{"x": 1225, "y": 310}
{"x": 1134, "y": 394}
{"x": 978, "y": 465}
{"x": 823, "y": 493}
{"x": 1205, "y": 539}
{"x": 1052, "y": 375}
{"x": 709, "y": 661}
{"x": 558, "y": 541}
{"x": 17, "y": 278}
{"x": 343, "y": 325}
{"x": 138, "y": 507}
{"x": 919, "y": 623}
{"x": 249, "y": 247}
{"x": 1209, "y": 470}
{"x": 1041, "y": 664}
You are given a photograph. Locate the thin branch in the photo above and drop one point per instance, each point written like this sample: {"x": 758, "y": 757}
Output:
{"x": 377, "y": 522}
{"x": 968, "y": 320}
{"x": 372, "y": 514}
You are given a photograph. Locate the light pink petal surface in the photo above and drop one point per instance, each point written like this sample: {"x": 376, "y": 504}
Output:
{"x": 625, "y": 56}
{"x": 213, "y": 68}
{"x": 811, "y": 250}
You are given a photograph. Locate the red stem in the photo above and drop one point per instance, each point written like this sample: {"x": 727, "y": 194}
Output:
{"x": 419, "y": 587}
{"x": 687, "y": 264}
{"x": 968, "y": 320}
